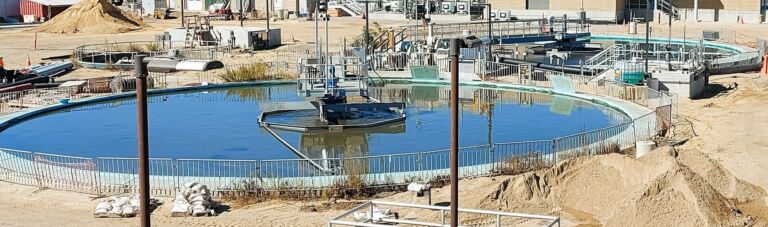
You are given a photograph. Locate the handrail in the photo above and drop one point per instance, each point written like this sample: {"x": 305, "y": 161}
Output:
{"x": 443, "y": 210}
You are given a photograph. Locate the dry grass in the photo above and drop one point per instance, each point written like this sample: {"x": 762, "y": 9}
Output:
{"x": 531, "y": 161}
{"x": 255, "y": 72}
{"x": 601, "y": 149}
{"x": 152, "y": 47}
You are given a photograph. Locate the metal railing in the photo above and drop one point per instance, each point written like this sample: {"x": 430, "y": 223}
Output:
{"x": 276, "y": 70}
{"x": 107, "y": 175}
{"x": 489, "y": 218}
{"x": 11, "y": 102}
{"x": 120, "y": 54}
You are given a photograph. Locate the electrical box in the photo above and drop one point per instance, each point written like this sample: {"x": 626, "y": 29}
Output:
{"x": 462, "y": 7}
{"x": 449, "y": 7}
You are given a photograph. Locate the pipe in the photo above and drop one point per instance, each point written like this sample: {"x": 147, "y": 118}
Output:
{"x": 454, "y": 161}
{"x": 143, "y": 137}
{"x": 566, "y": 69}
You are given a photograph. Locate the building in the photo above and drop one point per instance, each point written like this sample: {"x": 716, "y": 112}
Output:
{"x": 42, "y": 10}
{"x": 9, "y": 11}
{"x": 750, "y": 11}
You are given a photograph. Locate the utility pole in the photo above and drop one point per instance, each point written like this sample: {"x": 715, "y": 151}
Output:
{"x": 454, "y": 157}
{"x": 143, "y": 137}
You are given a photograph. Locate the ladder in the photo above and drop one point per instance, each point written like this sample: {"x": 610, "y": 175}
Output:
{"x": 195, "y": 27}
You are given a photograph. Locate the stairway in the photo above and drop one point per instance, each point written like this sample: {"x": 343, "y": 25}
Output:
{"x": 349, "y": 6}
{"x": 604, "y": 60}
{"x": 668, "y": 8}
{"x": 381, "y": 43}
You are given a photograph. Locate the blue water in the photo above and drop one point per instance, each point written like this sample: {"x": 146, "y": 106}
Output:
{"x": 222, "y": 124}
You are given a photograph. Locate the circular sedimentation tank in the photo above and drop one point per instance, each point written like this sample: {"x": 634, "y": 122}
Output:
{"x": 221, "y": 123}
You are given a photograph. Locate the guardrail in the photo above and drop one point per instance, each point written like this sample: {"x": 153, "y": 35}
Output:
{"x": 120, "y": 54}
{"x": 107, "y": 175}
{"x": 489, "y": 218}
{"x": 11, "y": 102}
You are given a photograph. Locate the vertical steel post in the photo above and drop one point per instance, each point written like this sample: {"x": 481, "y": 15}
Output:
{"x": 647, "y": 32}
{"x": 182, "y": 12}
{"x": 367, "y": 35}
{"x": 268, "y": 9}
{"x": 241, "y": 13}
{"x": 143, "y": 137}
{"x": 454, "y": 161}
{"x": 490, "y": 34}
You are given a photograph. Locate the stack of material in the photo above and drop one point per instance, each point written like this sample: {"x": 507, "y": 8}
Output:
{"x": 92, "y": 16}
{"x": 195, "y": 200}
{"x": 127, "y": 206}
{"x": 376, "y": 216}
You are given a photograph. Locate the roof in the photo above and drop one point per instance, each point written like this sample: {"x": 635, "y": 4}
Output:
{"x": 55, "y": 2}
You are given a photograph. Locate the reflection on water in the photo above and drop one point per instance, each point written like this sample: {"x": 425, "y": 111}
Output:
{"x": 223, "y": 124}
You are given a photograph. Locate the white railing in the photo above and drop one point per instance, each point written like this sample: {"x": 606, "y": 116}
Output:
{"x": 492, "y": 218}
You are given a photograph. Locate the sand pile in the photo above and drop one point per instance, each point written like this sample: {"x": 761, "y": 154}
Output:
{"x": 92, "y": 16}
{"x": 665, "y": 188}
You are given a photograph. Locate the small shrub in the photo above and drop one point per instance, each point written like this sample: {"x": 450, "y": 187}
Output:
{"x": 521, "y": 164}
{"x": 253, "y": 72}
{"x": 152, "y": 47}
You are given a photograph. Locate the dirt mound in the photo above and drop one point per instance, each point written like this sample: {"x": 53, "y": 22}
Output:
{"x": 665, "y": 188}
{"x": 92, "y": 16}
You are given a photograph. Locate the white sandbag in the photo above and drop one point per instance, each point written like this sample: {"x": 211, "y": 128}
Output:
{"x": 186, "y": 192}
{"x": 120, "y": 201}
{"x": 115, "y": 210}
{"x": 128, "y": 211}
{"x": 191, "y": 184}
{"x": 199, "y": 210}
{"x": 104, "y": 206}
{"x": 197, "y": 197}
{"x": 180, "y": 208}
{"x": 198, "y": 188}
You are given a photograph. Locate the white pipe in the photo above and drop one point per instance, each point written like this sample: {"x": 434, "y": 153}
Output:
{"x": 696, "y": 10}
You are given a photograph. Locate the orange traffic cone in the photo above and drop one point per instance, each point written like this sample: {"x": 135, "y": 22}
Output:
{"x": 764, "y": 70}
{"x": 29, "y": 62}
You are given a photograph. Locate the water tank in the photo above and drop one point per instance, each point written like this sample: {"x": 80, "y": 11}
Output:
{"x": 631, "y": 72}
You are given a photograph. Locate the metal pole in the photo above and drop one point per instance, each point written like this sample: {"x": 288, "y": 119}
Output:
{"x": 327, "y": 40}
{"x": 182, "y": 12}
{"x": 317, "y": 29}
{"x": 268, "y": 9}
{"x": 143, "y": 137}
{"x": 647, "y": 33}
{"x": 490, "y": 34}
{"x": 241, "y": 13}
{"x": 454, "y": 162}
{"x": 367, "y": 35}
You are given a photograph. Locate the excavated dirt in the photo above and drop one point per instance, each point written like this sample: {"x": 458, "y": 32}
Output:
{"x": 92, "y": 16}
{"x": 665, "y": 188}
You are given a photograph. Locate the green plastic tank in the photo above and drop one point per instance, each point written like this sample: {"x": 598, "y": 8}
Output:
{"x": 629, "y": 72}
